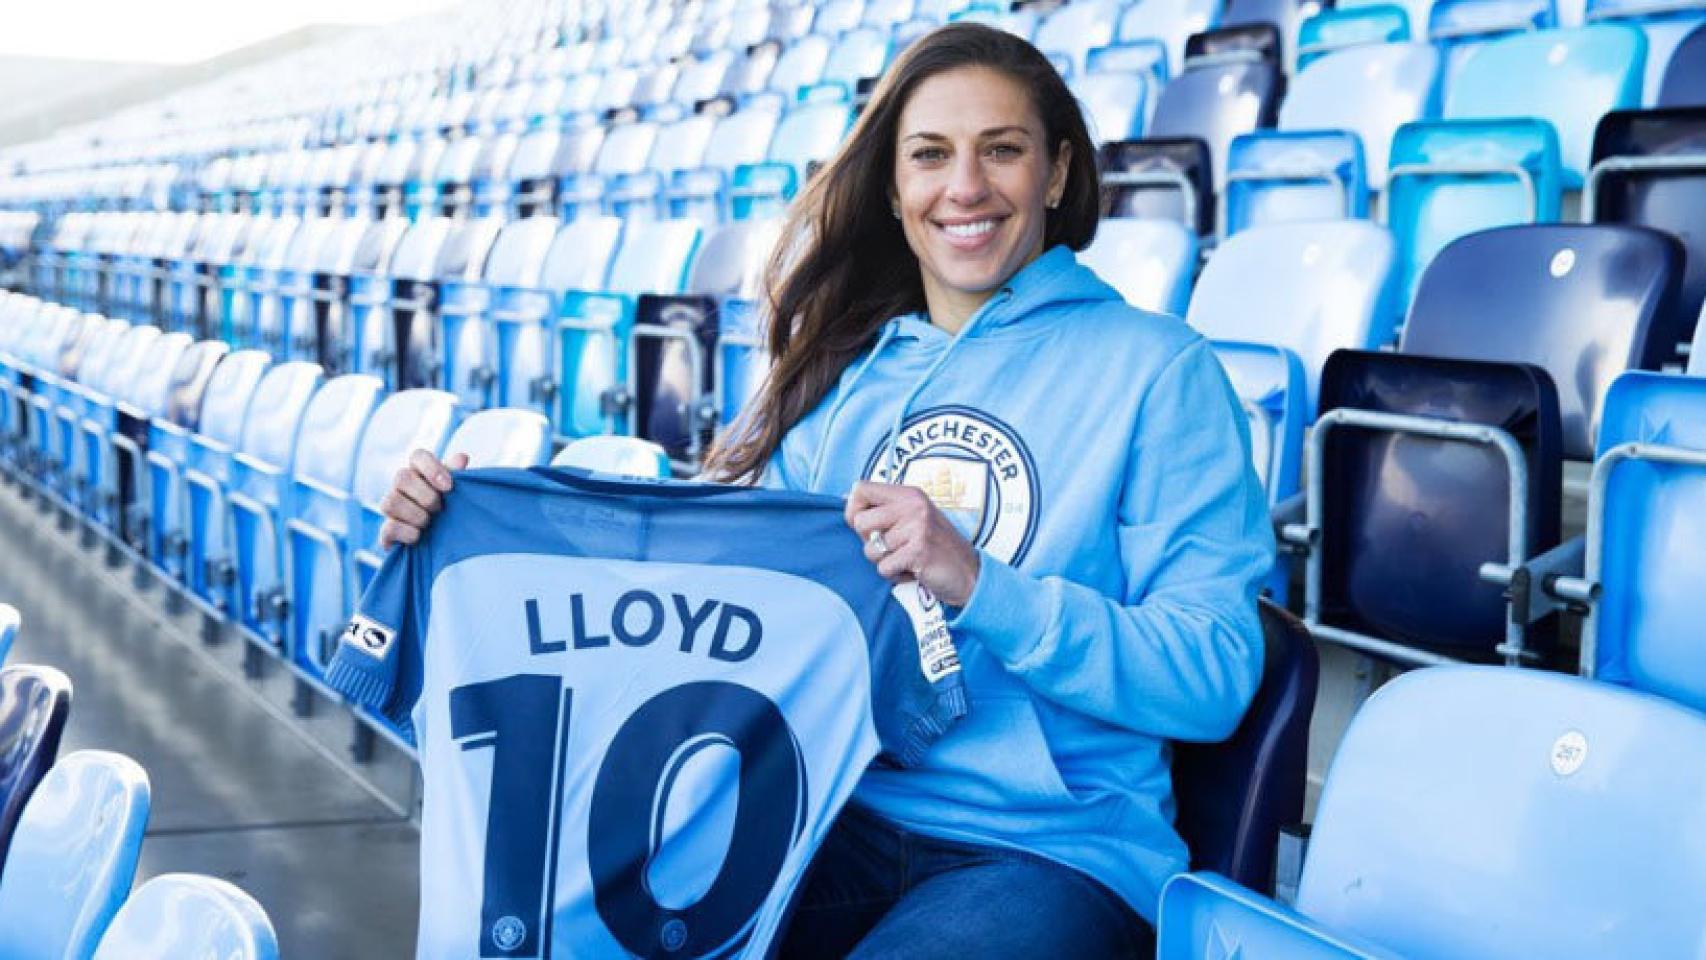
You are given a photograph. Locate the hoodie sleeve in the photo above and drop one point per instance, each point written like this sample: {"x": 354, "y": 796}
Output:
{"x": 1179, "y": 655}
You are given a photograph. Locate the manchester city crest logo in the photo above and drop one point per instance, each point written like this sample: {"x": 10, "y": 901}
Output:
{"x": 974, "y": 468}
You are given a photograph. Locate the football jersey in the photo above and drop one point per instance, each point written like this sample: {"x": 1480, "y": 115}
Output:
{"x": 638, "y": 706}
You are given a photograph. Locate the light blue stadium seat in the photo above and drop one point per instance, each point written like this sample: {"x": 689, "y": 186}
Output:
{"x": 163, "y": 497}
{"x": 1345, "y": 27}
{"x": 1169, "y": 21}
{"x": 1370, "y": 91}
{"x": 627, "y": 456}
{"x": 35, "y": 703}
{"x": 1072, "y": 30}
{"x": 330, "y": 517}
{"x": 124, "y": 498}
{"x": 806, "y": 136}
{"x": 740, "y": 139}
{"x": 1461, "y": 28}
{"x": 860, "y": 53}
{"x": 1570, "y": 78}
{"x": 92, "y": 411}
{"x": 838, "y": 16}
{"x": 177, "y": 916}
{"x": 73, "y": 856}
{"x": 1114, "y": 104}
{"x": 1293, "y": 175}
{"x": 1311, "y": 288}
{"x": 1449, "y": 179}
{"x": 1665, "y": 27}
{"x": 1020, "y": 23}
{"x": 1274, "y": 392}
{"x": 1647, "y": 501}
{"x": 1215, "y": 102}
{"x": 1145, "y": 57}
{"x": 503, "y": 437}
{"x": 800, "y": 65}
{"x": 1150, "y": 262}
{"x": 8, "y": 631}
{"x": 261, "y": 424}
{"x": 265, "y": 489}
{"x": 1437, "y": 833}
{"x": 1207, "y": 915}
{"x": 594, "y": 329}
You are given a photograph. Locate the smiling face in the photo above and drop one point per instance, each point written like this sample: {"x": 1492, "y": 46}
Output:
{"x": 973, "y": 178}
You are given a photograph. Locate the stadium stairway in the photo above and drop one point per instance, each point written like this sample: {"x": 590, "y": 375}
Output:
{"x": 243, "y": 789}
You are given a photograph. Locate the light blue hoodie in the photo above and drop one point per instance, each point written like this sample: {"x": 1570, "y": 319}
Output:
{"x": 1099, "y": 460}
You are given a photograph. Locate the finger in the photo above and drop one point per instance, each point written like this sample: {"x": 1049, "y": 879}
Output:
{"x": 457, "y": 462}
{"x": 413, "y": 486}
{"x": 900, "y": 564}
{"x": 433, "y": 472}
{"x": 403, "y": 510}
{"x": 858, "y": 500}
{"x": 873, "y": 518}
{"x": 392, "y": 533}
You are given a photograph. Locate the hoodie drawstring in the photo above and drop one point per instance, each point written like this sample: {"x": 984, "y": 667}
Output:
{"x": 841, "y": 393}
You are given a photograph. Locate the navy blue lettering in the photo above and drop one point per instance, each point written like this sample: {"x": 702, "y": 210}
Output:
{"x": 536, "y": 642}
{"x": 619, "y": 619}
{"x": 691, "y": 620}
{"x": 720, "y": 643}
{"x": 584, "y": 641}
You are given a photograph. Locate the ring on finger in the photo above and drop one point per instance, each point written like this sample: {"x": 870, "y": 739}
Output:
{"x": 877, "y": 543}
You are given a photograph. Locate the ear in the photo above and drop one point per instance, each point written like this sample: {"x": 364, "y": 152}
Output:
{"x": 1058, "y": 169}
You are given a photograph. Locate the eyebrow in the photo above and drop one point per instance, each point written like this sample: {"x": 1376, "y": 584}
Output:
{"x": 991, "y": 132}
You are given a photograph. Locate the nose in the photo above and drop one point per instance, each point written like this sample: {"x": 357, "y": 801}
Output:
{"x": 967, "y": 184}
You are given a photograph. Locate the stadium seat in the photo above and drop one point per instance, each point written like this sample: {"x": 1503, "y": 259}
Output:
{"x": 1150, "y": 262}
{"x": 182, "y": 915}
{"x": 1582, "y": 301}
{"x": 1114, "y": 104}
{"x": 1649, "y": 169}
{"x": 264, "y": 489}
{"x": 162, "y": 497}
{"x": 1685, "y": 76}
{"x": 1341, "y": 29}
{"x": 627, "y": 456}
{"x": 1311, "y": 288}
{"x": 1203, "y": 912}
{"x": 1461, "y": 28}
{"x": 1642, "y": 573}
{"x": 594, "y": 329}
{"x": 1370, "y": 91}
{"x": 1217, "y": 101}
{"x": 1448, "y": 794}
{"x": 1170, "y": 179}
{"x": 1234, "y": 796}
{"x": 8, "y": 633}
{"x": 1273, "y": 391}
{"x": 124, "y": 498}
{"x": 258, "y": 420}
{"x": 1073, "y": 29}
{"x": 1170, "y": 21}
{"x": 1665, "y": 28}
{"x": 73, "y": 856}
{"x": 1449, "y": 179}
{"x": 35, "y": 702}
{"x": 1293, "y": 176}
{"x": 1570, "y": 78}
{"x": 334, "y": 511}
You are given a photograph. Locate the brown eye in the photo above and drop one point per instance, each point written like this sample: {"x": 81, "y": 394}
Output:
{"x": 929, "y": 155}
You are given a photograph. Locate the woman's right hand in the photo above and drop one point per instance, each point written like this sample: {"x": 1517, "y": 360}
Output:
{"x": 416, "y": 494}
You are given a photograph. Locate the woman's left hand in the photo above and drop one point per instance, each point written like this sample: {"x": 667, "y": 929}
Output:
{"x": 909, "y": 539}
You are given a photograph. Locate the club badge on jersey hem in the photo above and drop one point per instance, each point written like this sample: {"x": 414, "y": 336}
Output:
{"x": 368, "y": 636}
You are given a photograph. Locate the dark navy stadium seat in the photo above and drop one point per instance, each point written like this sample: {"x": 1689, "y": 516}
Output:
{"x": 1649, "y": 169}
{"x": 1244, "y": 40}
{"x": 1170, "y": 179}
{"x": 1582, "y": 301}
{"x": 1685, "y": 77}
{"x": 1233, "y": 797}
{"x": 34, "y": 705}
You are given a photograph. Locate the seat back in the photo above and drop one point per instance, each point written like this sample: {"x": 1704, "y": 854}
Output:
{"x": 1370, "y": 91}
{"x": 1170, "y": 21}
{"x": 1449, "y": 179}
{"x": 402, "y": 423}
{"x": 1582, "y": 301}
{"x": 1273, "y": 391}
{"x": 1685, "y": 76}
{"x": 502, "y": 438}
{"x": 1570, "y": 78}
{"x": 1216, "y": 102}
{"x": 1113, "y": 103}
{"x": 859, "y": 53}
{"x": 226, "y": 400}
{"x": 150, "y": 389}
{"x": 1408, "y": 520}
{"x": 1312, "y": 288}
{"x": 73, "y": 856}
{"x": 732, "y": 261}
{"x": 1150, "y": 262}
{"x": 1650, "y": 170}
{"x": 1233, "y": 797}
{"x": 127, "y": 364}
{"x": 186, "y": 915}
{"x": 810, "y": 132}
{"x": 1070, "y": 31}
{"x": 625, "y": 456}
{"x": 1286, "y": 176}
{"x": 332, "y": 426}
{"x": 654, "y": 256}
{"x": 34, "y": 704}
{"x": 1346, "y": 27}
{"x": 1438, "y": 831}
{"x": 1151, "y": 179}
{"x": 189, "y": 381}
{"x": 1649, "y": 570}
{"x": 275, "y": 412}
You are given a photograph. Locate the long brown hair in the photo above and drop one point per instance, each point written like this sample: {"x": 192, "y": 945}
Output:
{"x": 843, "y": 267}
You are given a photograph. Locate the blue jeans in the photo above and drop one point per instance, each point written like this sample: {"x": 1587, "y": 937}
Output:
{"x": 878, "y": 890}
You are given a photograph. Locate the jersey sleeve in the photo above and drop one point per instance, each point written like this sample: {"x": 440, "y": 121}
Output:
{"x": 378, "y": 660}
{"x": 917, "y": 691}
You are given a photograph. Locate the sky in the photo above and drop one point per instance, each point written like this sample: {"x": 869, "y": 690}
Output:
{"x": 175, "y": 31}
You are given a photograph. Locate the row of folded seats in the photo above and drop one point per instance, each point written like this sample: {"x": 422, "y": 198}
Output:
{"x": 251, "y": 487}
{"x": 71, "y": 834}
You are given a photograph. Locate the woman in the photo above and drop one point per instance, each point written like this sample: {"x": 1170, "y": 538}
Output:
{"x": 1068, "y": 474}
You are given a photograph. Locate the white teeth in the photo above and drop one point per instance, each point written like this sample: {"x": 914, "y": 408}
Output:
{"x": 966, "y": 230}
